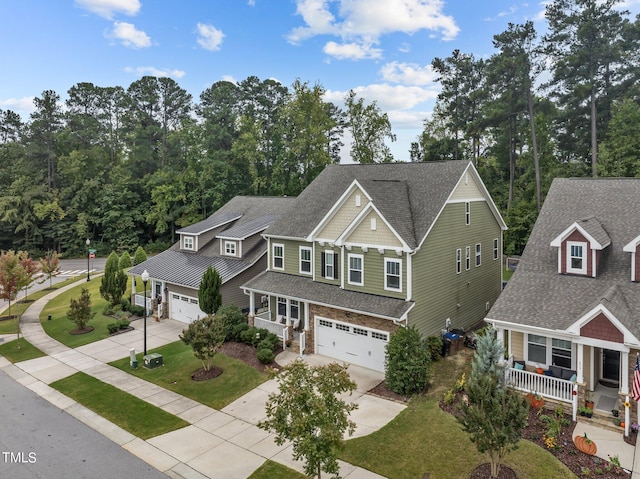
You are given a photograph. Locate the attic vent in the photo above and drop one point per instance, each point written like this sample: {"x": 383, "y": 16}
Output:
{"x": 358, "y": 200}
{"x": 466, "y": 179}
{"x": 373, "y": 224}
{"x": 487, "y": 306}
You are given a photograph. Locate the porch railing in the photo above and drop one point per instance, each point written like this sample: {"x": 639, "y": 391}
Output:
{"x": 303, "y": 341}
{"x": 274, "y": 327}
{"x": 139, "y": 301}
{"x": 546, "y": 386}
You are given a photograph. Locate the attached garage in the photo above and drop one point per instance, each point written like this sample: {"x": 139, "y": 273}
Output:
{"x": 351, "y": 343}
{"x": 184, "y": 308}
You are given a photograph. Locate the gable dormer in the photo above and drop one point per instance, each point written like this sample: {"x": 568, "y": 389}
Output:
{"x": 197, "y": 235}
{"x": 242, "y": 237}
{"x": 580, "y": 247}
{"x": 633, "y": 247}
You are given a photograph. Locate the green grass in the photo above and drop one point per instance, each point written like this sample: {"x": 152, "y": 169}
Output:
{"x": 18, "y": 307}
{"x": 271, "y": 469}
{"x": 236, "y": 380}
{"x": 423, "y": 438}
{"x": 60, "y": 326}
{"x": 134, "y": 415}
{"x": 17, "y": 351}
{"x": 506, "y": 274}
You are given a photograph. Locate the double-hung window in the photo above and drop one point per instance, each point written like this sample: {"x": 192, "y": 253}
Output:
{"x": 496, "y": 251}
{"x": 537, "y": 348}
{"x": 282, "y": 307}
{"x": 329, "y": 264}
{"x": 356, "y": 269}
{"x": 576, "y": 257}
{"x": 458, "y": 261}
{"x": 561, "y": 353}
{"x": 467, "y": 213}
{"x": 392, "y": 274}
{"x": 478, "y": 254}
{"x": 305, "y": 260}
{"x": 278, "y": 256}
{"x": 467, "y": 255}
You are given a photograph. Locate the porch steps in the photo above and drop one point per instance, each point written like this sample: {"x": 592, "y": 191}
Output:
{"x": 604, "y": 421}
{"x": 295, "y": 347}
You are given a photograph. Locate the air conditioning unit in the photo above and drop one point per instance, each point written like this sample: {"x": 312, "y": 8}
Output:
{"x": 152, "y": 361}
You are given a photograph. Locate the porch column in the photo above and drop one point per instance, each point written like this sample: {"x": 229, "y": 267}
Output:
{"x": 624, "y": 364}
{"x": 252, "y": 303}
{"x": 500, "y": 335}
{"x": 306, "y": 315}
{"x": 579, "y": 363}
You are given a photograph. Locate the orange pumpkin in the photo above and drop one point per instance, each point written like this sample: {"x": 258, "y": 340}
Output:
{"x": 585, "y": 445}
{"x": 622, "y": 424}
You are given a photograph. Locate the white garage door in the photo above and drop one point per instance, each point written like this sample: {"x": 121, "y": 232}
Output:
{"x": 353, "y": 344}
{"x": 184, "y": 308}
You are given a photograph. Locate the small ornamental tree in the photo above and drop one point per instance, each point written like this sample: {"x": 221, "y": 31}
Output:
{"x": 206, "y": 337}
{"x": 209, "y": 291}
{"x": 308, "y": 411}
{"x": 125, "y": 261}
{"x": 114, "y": 281}
{"x": 407, "y": 362}
{"x": 80, "y": 310}
{"x": 139, "y": 256}
{"x": 50, "y": 265}
{"x": 29, "y": 268}
{"x": 10, "y": 276}
{"x": 494, "y": 415}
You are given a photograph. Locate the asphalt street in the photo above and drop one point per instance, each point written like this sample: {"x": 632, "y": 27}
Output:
{"x": 38, "y": 440}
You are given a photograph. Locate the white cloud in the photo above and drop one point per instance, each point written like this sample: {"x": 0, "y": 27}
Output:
{"x": 408, "y": 73}
{"x": 366, "y": 21}
{"x": 351, "y": 51}
{"x": 156, "y": 72}
{"x": 127, "y": 34}
{"x": 22, "y": 106}
{"x": 107, "y": 8}
{"x": 210, "y": 37}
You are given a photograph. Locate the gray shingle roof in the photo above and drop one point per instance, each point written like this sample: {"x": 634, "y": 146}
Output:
{"x": 595, "y": 229}
{"x": 538, "y": 296}
{"x": 409, "y": 195}
{"x": 305, "y": 289}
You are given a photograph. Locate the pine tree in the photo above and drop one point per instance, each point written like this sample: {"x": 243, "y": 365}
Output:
{"x": 125, "y": 261}
{"x": 209, "y": 291}
{"x": 114, "y": 281}
{"x": 139, "y": 256}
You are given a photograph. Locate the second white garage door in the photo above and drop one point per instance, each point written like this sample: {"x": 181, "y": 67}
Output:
{"x": 184, "y": 308}
{"x": 353, "y": 344}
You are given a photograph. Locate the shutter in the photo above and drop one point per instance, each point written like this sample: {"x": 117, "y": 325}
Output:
{"x": 322, "y": 255}
{"x": 335, "y": 265}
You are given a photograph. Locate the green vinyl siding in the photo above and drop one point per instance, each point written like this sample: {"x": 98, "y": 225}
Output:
{"x": 319, "y": 276}
{"x": 439, "y": 292}
{"x": 291, "y": 255}
{"x": 374, "y": 272}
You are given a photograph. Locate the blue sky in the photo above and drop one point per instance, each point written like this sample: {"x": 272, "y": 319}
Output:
{"x": 382, "y": 49}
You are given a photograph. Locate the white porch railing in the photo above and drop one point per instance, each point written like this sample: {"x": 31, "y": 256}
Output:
{"x": 546, "y": 386}
{"x": 274, "y": 327}
{"x": 139, "y": 301}
{"x": 302, "y": 342}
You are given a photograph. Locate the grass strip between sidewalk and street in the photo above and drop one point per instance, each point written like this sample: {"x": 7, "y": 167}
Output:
{"x": 271, "y": 469}
{"x": 132, "y": 414}
{"x": 19, "y": 350}
{"x": 236, "y": 379}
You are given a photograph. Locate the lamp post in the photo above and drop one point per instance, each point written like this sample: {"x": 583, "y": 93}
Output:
{"x": 145, "y": 278}
{"x": 88, "y": 255}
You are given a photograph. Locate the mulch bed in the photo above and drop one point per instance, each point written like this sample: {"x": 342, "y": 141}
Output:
{"x": 381, "y": 390}
{"x": 122, "y": 331}
{"x": 85, "y": 330}
{"x": 247, "y": 354}
{"x": 202, "y": 374}
{"x": 566, "y": 452}
{"x": 7, "y": 317}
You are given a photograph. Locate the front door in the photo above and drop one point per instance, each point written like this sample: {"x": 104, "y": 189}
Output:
{"x": 611, "y": 365}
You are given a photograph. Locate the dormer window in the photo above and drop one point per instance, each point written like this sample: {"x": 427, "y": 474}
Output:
{"x": 187, "y": 242}
{"x": 230, "y": 248}
{"x": 576, "y": 261}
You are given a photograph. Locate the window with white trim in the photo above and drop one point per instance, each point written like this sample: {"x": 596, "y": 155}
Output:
{"x": 576, "y": 257}
{"x": 467, "y": 256}
{"x": 478, "y": 254}
{"x": 187, "y": 242}
{"x": 467, "y": 213}
{"x": 356, "y": 269}
{"x": 295, "y": 309}
{"x": 392, "y": 274}
{"x": 305, "y": 260}
{"x": 278, "y": 256}
{"x": 458, "y": 261}
{"x": 329, "y": 259}
{"x": 496, "y": 251}
{"x": 282, "y": 307}
{"x": 230, "y": 248}
{"x": 537, "y": 349}
{"x": 561, "y": 353}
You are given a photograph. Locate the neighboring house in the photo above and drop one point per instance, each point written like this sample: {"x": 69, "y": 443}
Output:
{"x": 366, "y": 249}
{"x": 572, "y": 307}
{"x": 229, "y": 240}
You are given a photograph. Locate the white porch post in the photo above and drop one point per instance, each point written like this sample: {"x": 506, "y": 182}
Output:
{"x": 580, "y": 363}
{"x": 627, "y": 416}
{"x": 510, "y": 343}
{"x": 252, "y": 303}
{"x": 306, "y": 315}
{"x": 133, "y": 285}
{"x": 500, "y": 335}
{"x": 624, "y": 385}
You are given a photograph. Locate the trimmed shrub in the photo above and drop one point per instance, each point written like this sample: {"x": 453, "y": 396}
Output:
{"x": 237, "y": 330}
{"x": 266, "y": 344}
{"x": 137, "y": 310}
{"x": 407, "y": 362}
{"x": 260, "y": 334}
{"x": 248, "y": 335}
{"x": 108, "y": 310}
{"x": 123, "y": 323}
{"x": 139, "y": 256}
{"x": 434, "y": 346}
{"x": 265, "y": 356}
{"x": 125, "y": 261}
{"x": 113, "y": 327}
{"x": 125, "y": 304}
{"x": 233, "y": 316}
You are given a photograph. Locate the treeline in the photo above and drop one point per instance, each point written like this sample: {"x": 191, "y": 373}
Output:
{"x": 129, "y": 167}
{"x": 562, "y": 104}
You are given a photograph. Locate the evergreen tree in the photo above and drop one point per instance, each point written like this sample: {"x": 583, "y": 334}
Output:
{"x": 114, "y": 281}
{"x": 407, "y": 362}
{"x": 139, "y": 256}
{"x": 209, "y": 291}
{"x": 125, "y": 261}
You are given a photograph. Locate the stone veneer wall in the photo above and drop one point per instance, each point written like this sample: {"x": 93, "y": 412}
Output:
{"x": 630, "y": 371}
{"x": 340, "y": 315}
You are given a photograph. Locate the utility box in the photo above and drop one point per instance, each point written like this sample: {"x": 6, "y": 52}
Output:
{"x": 133, "y": 361}
{"x": 152, "y": 361}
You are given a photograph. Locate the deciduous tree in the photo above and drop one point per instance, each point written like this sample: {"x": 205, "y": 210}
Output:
{"x": 369, "y": 128}
{"x": 11, "y": 274}
{"x": 308, "y": 411}
{"x": 50, "y": 265}
{"x": 80, "y": 310}
{"x": 206, "y": 337}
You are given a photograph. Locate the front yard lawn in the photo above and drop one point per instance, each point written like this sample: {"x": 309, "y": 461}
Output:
{"x": 60, "y": 326}
{"x": 271, "y": 469}
{"x": 236, "y": 380}
{"x": 14, "y": 354}
{"x": 134, "y": 415}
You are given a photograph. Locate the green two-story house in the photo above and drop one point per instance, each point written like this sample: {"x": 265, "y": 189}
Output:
{"x": 366, "y": 249}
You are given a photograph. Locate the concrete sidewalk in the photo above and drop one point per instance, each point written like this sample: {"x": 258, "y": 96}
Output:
{"x": 217, "y": 444}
